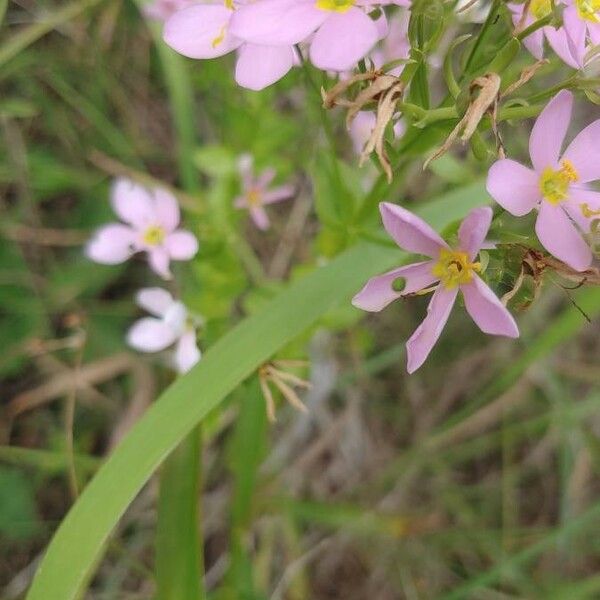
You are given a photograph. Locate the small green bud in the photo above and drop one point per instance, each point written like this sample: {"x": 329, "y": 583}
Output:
{"x": 399, "y": 284}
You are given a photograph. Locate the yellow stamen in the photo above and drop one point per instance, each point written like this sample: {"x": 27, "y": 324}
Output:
{"x": 540, "y": 8}
{"x": 154, "y": 235}
{"x": 588, "y": 10}
{"x": 454, "y": 268}
{"x": 254, "y": 197}
{"x": 229, "y": 4}
{"x": 554, "y": 185}
{"x": 340, "y": 6}
{"x": 219, "y": 39}
{"x": 587, "y": 212}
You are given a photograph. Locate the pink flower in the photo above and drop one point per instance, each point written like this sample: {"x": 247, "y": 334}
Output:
{"x": 568, "y": 41}
{"x": 161, "y": 10}
{"x": 171, "y": 324}
{"x": 204, "y": 31}
{"x": 255, "y": 192}
{"x": 555, "y": 185}
{"x": 451, "y": 269}
{"x": 343, "y": 31}
{"x": 151, "y": 218}
{"x": 395, "y": 45}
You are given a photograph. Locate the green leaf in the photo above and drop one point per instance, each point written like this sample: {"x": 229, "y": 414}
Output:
{"x": 77, "y": 545}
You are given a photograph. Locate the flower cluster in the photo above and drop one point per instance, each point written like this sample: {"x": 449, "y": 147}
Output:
{"x": 150, "y": 224}
{"x": 266, "y": 34}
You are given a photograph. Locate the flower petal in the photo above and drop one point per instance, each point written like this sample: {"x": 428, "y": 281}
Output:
{"x": 166, "y": 208}
{"x": 473, "y": 230}
{"x": 111, "y": 244}
{"x": 342, "y": 40}
{"x": 187, "y": 353}
{"x": 378, "y": 291}
{"x": 489, "y": 314}
{"x": 260, "y": 218}
{"x": 513, "y": 186}
{"x": 584, "y": 153}
{"x": 132, "y": 203}
{"x": 561, "y": 44}
{"x": 561, "y": 238}
{"x": 575, "y": 29}
{"x": 181, "y": 245}
{"x": 579, "y": 199}
{"x": 201, "y": 31}
{"x": 277, "y": 22}
{"x": 158, "y": 259}
{"x": 278, "y": 194}
{"x": 259, "y": 66}
{"x": 409, "y": 231}
{"x": 155, "y": 300}
{"x": 150, "y": 335}
{"x": 549, "y": 131}
{"x": 426, "y": 335}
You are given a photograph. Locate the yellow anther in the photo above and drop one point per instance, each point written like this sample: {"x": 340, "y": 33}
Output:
{"x": 154, "y": 235}
{"x": 340, "y": 6}
{"x": 587, "y": 212}
{"x": 554, "y": 185}
{"x": 229, "y": 4}
{"x": 454, "y": 268}
{"x": 254, "y": 197}
{"x": 540, "y": 8}
{"x": 219, "y": 39}
{"x": 589, "y": 10}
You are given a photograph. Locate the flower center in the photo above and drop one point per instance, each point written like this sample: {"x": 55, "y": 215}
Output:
{"x": 340, "y": 6}
{"x": 554, "y": 185}
{"x": 453, "y": 268}
{"x": 254, "y": 197}
{"x": 588, "y": 10}
{"x": 540, "y": 8}
{"x": 154, "y": 235}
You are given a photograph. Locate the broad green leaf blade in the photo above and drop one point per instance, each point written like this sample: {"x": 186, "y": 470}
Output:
{"x": 77, "y": 545}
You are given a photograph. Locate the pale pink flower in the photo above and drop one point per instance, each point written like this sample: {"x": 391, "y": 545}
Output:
{"x": 362, "y": 127}
{"x": 581, "y": 19}
{"x": 171, "y": 324}
{"x": 395, "y": 44}
{"x": 161, "y": 10}
{"x": 567, "y": 41}
{"x": 343, "y": 31}
{"x": 448, "y": 269}
{"x": 256, "y": 193}
{"x": 556, "y": 185}
{"x": 204, "y": 31}
{"x": 150, "y": 225}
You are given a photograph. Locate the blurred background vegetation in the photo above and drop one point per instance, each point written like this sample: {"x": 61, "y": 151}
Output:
{"x": 476, "y": 478}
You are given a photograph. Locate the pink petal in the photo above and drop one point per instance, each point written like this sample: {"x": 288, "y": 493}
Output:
{"x": 187, "y": 353}
{"x": 574, "y": 205}
{"x": 561, "y": 238}
{"x": 378, "y": 291}
{"x": 278, "y": 194}
{"x": 265, "y": 178}
{"x": 426, "y": 335}
{"x": 490, "y": 315}
{"x": 132, "y": 203}
{"x": 166, "y": 208}
{"x": 181, "y": 245}
{"x": 155, "y": 300}
{"x": 342, "y": 40}
{"x": 240, "y": 202}
{"x": 260, "y": 218}
{"x": 277, "y": 22}
{"x": 584, "y": 153}
{"x": 201, "y": 31}
{"x": 575, "y": 30}
{"x": 473, "y": 230}
{"x": 409, "y": 231}
{"x": 559, "y": 41}
{"x": 111, "y": 244}
{"x": 535, "y": 43}
{"x": 259, "y": 66}
{"x": 513, "y": 186}
{"x": 150, "y": 335}
{"x": 361, "y": 128}
{"x": 549, "y": 131}
{"x": 158, "y": 259}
